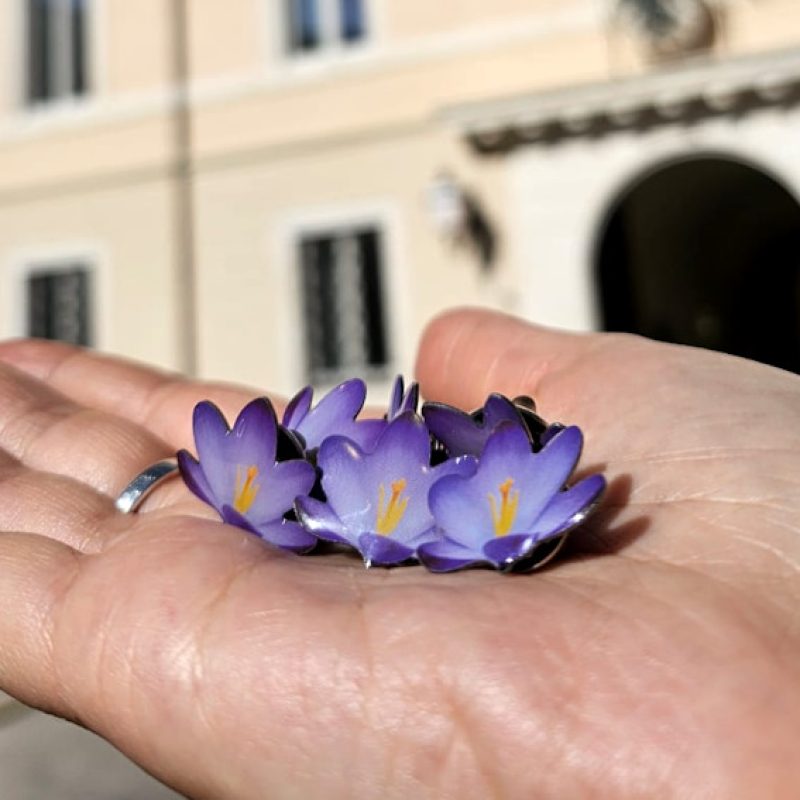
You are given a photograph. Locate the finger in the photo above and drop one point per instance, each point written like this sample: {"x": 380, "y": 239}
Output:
{"x": 46, "y": 431}
{"x": 467, "y": 354}
{"x": 121, "y": 642}
{"x": 35, "y": 574}
{"x": 56, "y": 506}
{"x": 158, "y": 400}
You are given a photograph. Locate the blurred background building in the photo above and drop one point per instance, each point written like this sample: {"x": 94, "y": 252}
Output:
{"x": 284, "y": 191}
{"x": 278, "y": 191}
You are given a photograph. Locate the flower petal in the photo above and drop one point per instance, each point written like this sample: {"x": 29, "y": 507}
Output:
{"x": 505, "y": 551}
{"x": 230, "y": 516}
{"x": 280, "y": 486}
{"x": 404, "y": 446}
{"x": 298, "y": 407}
{"x": 456, "y": 429}
{"x": 396, "y": 397}
{"x": 446, "y": 555}
{"x": 319, "y": 519}
{"x": 411, "y": 399}
{"x": 537, "y": 477}
{"x": 467, "y": 434}
{"x": 507, "y": 451}
{"x": 402, "y": 454}
{"x": 385, "y": 490}
{"x": 431, "y": 534}
{"x": 285, "y": 534}
{"x": 570, "y": 508}
{"x": 227, "y": 456}
{"x": 548, "y": 472}
{"x": 349, "y": 494}
{"x": 335, "y": 411}
{"x": 365, "y": 433}
{"x": 382, "y": 551}
{"x": 254, "y": 435}
{"x": 195, "y": 479}
{"x": 460, "y": 508}
{"x": 498, "y": 408}
{"x": 210, "y": 430}
{"x": 550, "y": 433}
{"x": 400, "y": 400}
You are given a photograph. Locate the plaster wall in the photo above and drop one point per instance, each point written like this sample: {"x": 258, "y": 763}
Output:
{"x": 250, "y": 217}
{"x": 560, "y": 198}
{"x": 125, "y": 235}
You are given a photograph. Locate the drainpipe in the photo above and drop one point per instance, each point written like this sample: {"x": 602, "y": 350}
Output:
{"x": 183, "y": 189}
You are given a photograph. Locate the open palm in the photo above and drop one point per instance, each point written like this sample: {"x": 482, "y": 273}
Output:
{"x": 661, "y": 659}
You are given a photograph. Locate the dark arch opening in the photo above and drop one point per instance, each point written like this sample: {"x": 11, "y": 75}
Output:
{"x": 706, "y": 252}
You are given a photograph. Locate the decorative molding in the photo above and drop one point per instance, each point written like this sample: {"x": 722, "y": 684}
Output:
{"x": 377, "y": 53}
{"x": 275, "y": 73}
{"x": 560, "y": 198}
{"x": 683, "y": 27}
{"x": 688, "y": 92}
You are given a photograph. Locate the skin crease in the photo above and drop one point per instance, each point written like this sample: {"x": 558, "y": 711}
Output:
{"x": 660, "y": 659}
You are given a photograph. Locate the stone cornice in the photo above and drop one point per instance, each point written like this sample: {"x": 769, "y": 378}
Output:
{"x": 682, "y": 93}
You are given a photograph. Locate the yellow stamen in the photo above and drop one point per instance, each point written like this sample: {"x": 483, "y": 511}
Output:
{"x": 389, "y": 515}
{"x": 246, "y": 490}
{"x": 509, "y": 501}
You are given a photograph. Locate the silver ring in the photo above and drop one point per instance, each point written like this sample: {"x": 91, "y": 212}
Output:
{"x": 144, "y": 483}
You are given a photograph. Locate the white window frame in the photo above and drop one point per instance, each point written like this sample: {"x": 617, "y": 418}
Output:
{"x": 27, "y": 262}
{"x": 331, "y": 52}
{"x": 330, "y": 19}
{"x": 61, "y": 67}
{"x": 285, "y": 268}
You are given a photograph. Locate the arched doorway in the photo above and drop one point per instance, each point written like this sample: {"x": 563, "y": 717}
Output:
{"x": 705, "y": 251}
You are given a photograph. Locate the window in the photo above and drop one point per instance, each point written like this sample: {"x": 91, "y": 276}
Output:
{"x": 343, "y": 304}
{"x": 317, "y": 24}
{"x": 58, "y": 303}
{"x": 57, "y": 58}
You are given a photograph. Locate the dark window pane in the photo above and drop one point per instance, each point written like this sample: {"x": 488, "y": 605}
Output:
{"x": 320, "y": 305}
{"x": 57, "y": 49}
{"x": 39, "y": 22}
{"x": 78, "y": 22}
{"x": 58, "y": 305}
{"x": 343, "y": 303}
{"x": 304, "y": 24}
{"x": 351, "y": 15}
{"x": 372, "y": 294}
{"x": 39, "y": 314}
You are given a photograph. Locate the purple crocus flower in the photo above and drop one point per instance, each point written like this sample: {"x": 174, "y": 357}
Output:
{"x": 236, "y": 473}
{"x": 467, "y": 434}
{"x": 550, "y": 432}
{"x": 462, "y": 433}
{"x": 378, "y": 502}
{"x": 334, "y": 415}
{"x": 513, "y": 502}
{"x": 400, "y": 400}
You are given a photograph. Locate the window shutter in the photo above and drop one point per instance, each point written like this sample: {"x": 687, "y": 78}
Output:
{"x": 58, "y": 305}
{"x": 343, "y": 304}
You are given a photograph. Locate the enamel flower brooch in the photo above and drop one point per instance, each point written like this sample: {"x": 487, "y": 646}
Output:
{"x": 441, "y": 487}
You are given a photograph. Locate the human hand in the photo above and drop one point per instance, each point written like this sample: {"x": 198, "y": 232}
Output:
{"x": 661, "y": 660}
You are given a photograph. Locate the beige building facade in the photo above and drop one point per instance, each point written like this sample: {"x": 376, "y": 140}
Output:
{"x": 276, "y": 192}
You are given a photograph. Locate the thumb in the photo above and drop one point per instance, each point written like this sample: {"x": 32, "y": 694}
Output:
{"x": 467, "y": 353}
